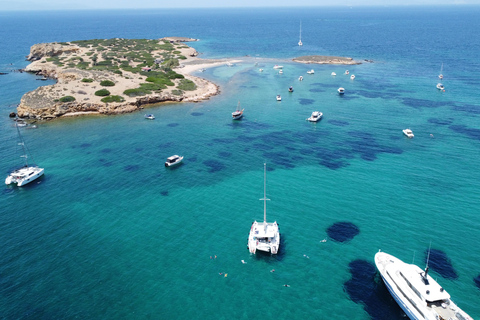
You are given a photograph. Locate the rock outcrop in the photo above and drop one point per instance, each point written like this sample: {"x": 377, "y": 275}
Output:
{"x": 38, "y": 51}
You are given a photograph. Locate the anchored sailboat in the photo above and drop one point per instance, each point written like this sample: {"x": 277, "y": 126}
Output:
{"x": 264, "y": 236}
{"x": 27, "y": 173}
{"x": 300, "y": 41}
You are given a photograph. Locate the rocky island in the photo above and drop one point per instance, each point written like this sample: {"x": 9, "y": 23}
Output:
{"x": 113, "y": 76}
{"x": 325, "y": 60}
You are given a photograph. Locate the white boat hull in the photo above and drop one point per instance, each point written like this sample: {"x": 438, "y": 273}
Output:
{"x": 24, "y": 176}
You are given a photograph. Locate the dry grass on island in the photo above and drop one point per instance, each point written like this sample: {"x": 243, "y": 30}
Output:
{"x": 113, "y": 76}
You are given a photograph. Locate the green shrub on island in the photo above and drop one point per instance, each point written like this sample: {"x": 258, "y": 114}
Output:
{"x": 113, "y": 99}
{"x": 177, "y": 92}
{"x": 107, "y": 83}
{"x": 67, "y": 99}
{"x": 102, "y": 93}
{"x": 87, "y": 80}
{"x": 83, "y": 65}
{"x": 182, "y": 57}
{"x": 187, "y": 85}
{"x": 163, "y": 81}
{"x": 176, "y": 52}
{"x": 138, "y": 92}
{"x": 118, "y": 72}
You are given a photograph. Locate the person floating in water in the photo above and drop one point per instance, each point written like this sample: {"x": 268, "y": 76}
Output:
{"x": 286, "y": 285}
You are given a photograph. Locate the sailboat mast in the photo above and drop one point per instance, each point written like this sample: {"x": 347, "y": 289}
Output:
{"x": 24, "y": 155}
{"x": 265, "y": 194}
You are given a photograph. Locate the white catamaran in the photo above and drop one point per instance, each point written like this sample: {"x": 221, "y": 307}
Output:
{"x": 264, "y": 236}
{"x": 27, "y": 173}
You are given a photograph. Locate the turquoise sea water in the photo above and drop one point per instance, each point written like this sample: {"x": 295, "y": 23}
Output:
{"x": 109, "y": 233}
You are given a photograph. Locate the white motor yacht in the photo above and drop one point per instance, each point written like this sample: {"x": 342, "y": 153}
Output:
{"x": 264, "y": 236}
{"x": 311, "y": 71}
{"x": 173, "y": 160}
{"x": 277, "y": 67}
{"x": 415, "y": 291}
{"x": 316, "y": 116}
{"x": 440, "y": 86}
{"x": 352, "y": 76}
{"x": 279, "y": 97}
{"x": 408, "y": 133}
{"x": 341, "y": 90}
{"x": 333, "y": 74}
{"x": 300, "y": 78}
{"x": 27, "y": 173}
{"x": 149, "y": 116}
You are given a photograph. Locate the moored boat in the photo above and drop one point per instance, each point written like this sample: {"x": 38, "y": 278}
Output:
{"x": 237, "y": 114}
{"x": 264, "y": 236}
{"x": 408, "y": 133}
{"x": 341, "y": 90}
{"x": 277, "y": 67}
{"x": 279, "y": 97}
{"x": 149, "y": 116}
{"x": 290, "y": 89}
{"x": 352, "y": 77}
{"x": 316, "y": 116}
{"x": 173, "y": 160}
{"x": 27, "y": 173}
{"x": 415, "y": 291}
{"x": 300, "y": 78}
{"x": 440, "y": 86}
{"x": 311, "y": 71}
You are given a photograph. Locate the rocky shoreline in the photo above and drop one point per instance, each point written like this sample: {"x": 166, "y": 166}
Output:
{"x": 48, "y": 102}
{"x": 326, "y": 60}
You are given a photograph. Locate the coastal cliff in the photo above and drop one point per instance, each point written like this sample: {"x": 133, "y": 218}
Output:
{"x": 111, "y": 76}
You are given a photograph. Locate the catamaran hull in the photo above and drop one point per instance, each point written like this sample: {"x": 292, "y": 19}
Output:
{"x": 21, "y": 182}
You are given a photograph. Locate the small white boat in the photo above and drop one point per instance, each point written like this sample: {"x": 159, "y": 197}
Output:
{"x": 347, "y": 72}
{"x": 279, "y": 97}
{"x": 290, "y": 89}
{"x": 408, "y": 133}
{"x": 440, "y": 76}
{"x": 277, "y": 67}
{"x": 316, "y": 116}
{"x": 311, "y": 71}
{"x": 264, "y": 236}
{"x": 229, "y": 64}
{"x": 27, "y": 173}
{"x": 261, "y": 70}
{"x": 352, "y": 76}
{"x": 415, "y": 291}
{"x": 237, "y": 114}
{"x": 440, "y": 86}
{"x": 149, "y": 116}
{"x": 333, "y": 74}
{"x": 21, "y": 123}
{"x": 203, "y": 70}
{"x": 173, "y": 160}
{"x": 281, "y": 71}
{"x": 341, "y": 90}
{"x": 300, "y": 78}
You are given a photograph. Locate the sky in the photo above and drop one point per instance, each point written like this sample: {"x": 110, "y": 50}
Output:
{"x": 7, "y": 5}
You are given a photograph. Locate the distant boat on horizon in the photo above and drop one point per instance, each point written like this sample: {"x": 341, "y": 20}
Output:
{"x": 300, "y": 41}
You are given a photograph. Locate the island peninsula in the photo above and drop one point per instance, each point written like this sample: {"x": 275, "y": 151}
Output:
{"x": 112, "y": 76}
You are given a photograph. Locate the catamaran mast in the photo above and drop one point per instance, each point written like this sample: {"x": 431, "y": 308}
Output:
{"x": 265, "y": 196}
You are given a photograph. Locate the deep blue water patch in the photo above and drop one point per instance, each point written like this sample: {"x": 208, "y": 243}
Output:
{"x": 376, "y": 94}
{"x": 343, "y": 231}
{"x": 106, "y": 150}
{"x": 284, "y": 159}
{"x": 305, "y": 102}
{"x": 366, "y": 287}
{"x": 441, "y": 121}
{"x": 440, "y": 263}
{"x": 477, "y": 281}
{"x": 105, "y": 162}
{"x": 214, "y": 165}
{"x": 334, "y": 164}
{"x": 317, "y": 90}
{"x": 85, "y": 145}
{"x": 469, "y": 132}
{"x": 338, "y": 123}
{"x": 197, "y": 114}
{"x": 164, "y": 193}
{"x": 470, "y": 108}
{"x": 224, "y": 154}
{"x": 132, "y": 167}
{"x": 138, "y": 149}
{"x": 422, "y": 103}
{"x": 367, "y": 147}
{"x": 174, "y": 124}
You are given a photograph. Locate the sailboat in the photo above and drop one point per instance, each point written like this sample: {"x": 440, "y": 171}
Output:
{"x": 300, "y": 41}
{"x": 27, "y": 173}
{"x": 237, "y": 114}
{"x": 440, "y": 76}
{"x": 264, "y": 236}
